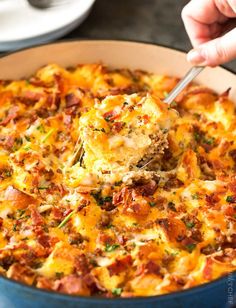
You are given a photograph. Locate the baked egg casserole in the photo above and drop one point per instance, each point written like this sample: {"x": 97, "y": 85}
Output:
{"x": 81, "y": 210}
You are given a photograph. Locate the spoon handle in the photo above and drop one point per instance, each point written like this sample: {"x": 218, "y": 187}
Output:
{"x": 191, "y": 74}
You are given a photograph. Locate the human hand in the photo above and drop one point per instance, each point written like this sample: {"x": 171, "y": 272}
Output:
{"x": 211, "y": 27}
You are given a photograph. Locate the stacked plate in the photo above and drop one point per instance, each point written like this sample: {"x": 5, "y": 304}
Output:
{"x": 22, "y": 25}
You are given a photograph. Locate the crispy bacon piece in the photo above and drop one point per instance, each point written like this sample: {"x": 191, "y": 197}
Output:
{"x": 120, "y": 265}
{"x": 21, "y": 273}
{"x": 173, "y": 182}
{"x": 149, "y": 268}
{"x": 57, "y": 213}
{"x": 72, "y": 100}
{"x": 212, "y": 199}
{"x": 174, "y": 228}
{"x": 104, "y": 238}
{"x": 121, "y": 196}
{"x": 137, "y": 209}
{"x": 117, "y": 127}
{"x": 127, "y": 197}
{"x": 44, "y": 240}
{"x": 12, "y": 114}
{"x": 111, "y": 115}
{"x": 37, "y": 219}
{"x": 30, "y": 97}
{"x": 207, "y": 270}
{"x": 73, "y": 285}
{"x": 82, "y": 265}
{"x": 93, "y": 284}
{"x": 45, "y": 283}
{"x": 147, "y": 189}
{"x": 19, "y": 199}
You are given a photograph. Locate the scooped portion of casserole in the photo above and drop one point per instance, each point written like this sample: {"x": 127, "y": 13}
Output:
{"x": 80, "y": 211}
{"x": 122, "y": 132}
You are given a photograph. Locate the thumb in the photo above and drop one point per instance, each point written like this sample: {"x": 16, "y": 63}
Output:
{"x": 215, "y": 52}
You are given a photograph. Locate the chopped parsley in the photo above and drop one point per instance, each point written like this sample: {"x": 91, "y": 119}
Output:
{"x": 110, "y": 248}
{"x": 99, "y": 130}
{"x": 197, "y": 136}
{"x": 190, "y": 247}
{"x": 195, "y": 196}
{"x": 118, "y": 183}
{"x": 7, "y": 173}
{"x": 43, "y": 187}
{"x": 152, "y": 204}
{"x": 117, "y": 291}
{"x": 17, "y": 144}
{"x": 209, "y": 141}
{"x": 231, "y": 199}
{"x": 125, "y": 103}
{"x": 41, "y": 129}
{"x": 171, "y": 206}
{"x": 59, "y": 275}
{"x": 27, "y": 138}
{"x": 21, "y": 212}
{"x": 99, "y": 199}
{"x": 189, "y": 224}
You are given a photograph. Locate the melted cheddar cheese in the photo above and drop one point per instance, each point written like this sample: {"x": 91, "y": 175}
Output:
{"x": 109, "y": 224}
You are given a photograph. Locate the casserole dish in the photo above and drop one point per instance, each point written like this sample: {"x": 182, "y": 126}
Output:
{"x": 134, "y": 56}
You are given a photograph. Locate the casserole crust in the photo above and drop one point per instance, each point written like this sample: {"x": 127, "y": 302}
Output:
{"x": 105, "y": 225}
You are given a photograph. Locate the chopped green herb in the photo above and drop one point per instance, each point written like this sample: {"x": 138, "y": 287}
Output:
{"x": 195, "y": 196}
{"x": 27, "y": 138}
{"x": 27, "y": 148}
{"x": 43, "y": 187}
{"x": 197, "y": 136}
{"x": 110, "y": 248}
{"x": 21, "y": 212}
{"x": 173, "y": 104}
{"x": 171, "y": 206}
{"x": 59, "y": 275}
{"x": 65, "y": 220}
{"x": 209, "y": 141}
{"x": 197, "y": 115}
{"x": 109, "y": 226}
{"x": 7, "y": 173}
{"x": 189, "y": 224}
{"x": 117, "y": 291}
{"x": 118, "y": 183}
{"x": 234, "y": 216}
{"x": 190, "y": 247}
{"x": 135, "y": 224}
{"x": 152, "y": 204}
{"x": 41, "y": 129}
{"x": 93, "y": 262}
{"x": 125, "y": 103}
{"x": 231, "y": 199}
{"x": 14, "y": 228}
{"x": 17, "y": 144}
{"x": 101, "y": 200}
{"x": 99, "y": 130}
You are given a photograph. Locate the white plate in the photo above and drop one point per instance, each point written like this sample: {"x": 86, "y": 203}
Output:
{"x": 22, "y": 25}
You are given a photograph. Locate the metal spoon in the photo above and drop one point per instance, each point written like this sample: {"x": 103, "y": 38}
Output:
{"x": 191, "y": 74}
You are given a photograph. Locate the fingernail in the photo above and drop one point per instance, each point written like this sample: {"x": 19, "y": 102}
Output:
{"x": 196, "y": 57}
